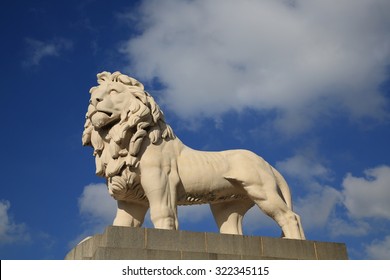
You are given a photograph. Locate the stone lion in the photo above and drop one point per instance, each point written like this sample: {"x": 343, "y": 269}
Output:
{"x": 147, "y": 166}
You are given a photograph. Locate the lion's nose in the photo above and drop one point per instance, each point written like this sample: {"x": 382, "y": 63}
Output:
{"x": 95, "y": 101}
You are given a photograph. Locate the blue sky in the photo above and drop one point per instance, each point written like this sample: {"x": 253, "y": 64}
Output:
{"x": 305, "y": 84}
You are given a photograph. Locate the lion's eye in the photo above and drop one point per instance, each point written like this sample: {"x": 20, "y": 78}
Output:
{"x": 113, "y": 91}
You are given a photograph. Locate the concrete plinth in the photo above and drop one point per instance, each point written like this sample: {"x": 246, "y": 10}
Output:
{"x": 124, "y": 243}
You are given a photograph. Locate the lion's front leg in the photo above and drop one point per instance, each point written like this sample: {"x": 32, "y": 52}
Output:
{"x": 162, "y": 212}
{"x": 130, "y": 214}
{"x": 162, "y": 199}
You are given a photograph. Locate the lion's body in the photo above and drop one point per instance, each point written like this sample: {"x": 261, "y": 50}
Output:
{"x": 147, "y": 166}
{"x": 223, "y": 175}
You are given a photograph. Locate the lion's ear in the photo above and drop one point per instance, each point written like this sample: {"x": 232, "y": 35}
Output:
{"x": 124, "y": 79}
{"x": 103, "y": 76}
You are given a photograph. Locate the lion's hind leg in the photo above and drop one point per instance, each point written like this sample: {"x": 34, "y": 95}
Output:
{"x": 229, "y": 214}
{"x": 298, "y": 218}
{"x": 272, "y": 204}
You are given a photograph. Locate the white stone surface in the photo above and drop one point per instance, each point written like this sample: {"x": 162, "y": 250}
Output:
{"x": 147, "y": 166}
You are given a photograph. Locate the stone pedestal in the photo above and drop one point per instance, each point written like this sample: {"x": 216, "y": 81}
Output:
{"x": 124, "y": 243}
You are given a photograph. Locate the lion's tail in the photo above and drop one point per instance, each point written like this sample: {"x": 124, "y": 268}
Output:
{"x": 283, "y": 187}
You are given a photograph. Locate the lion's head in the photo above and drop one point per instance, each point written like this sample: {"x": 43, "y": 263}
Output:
{"x": 116, "y": 94}
{"x": 120, "y": 114}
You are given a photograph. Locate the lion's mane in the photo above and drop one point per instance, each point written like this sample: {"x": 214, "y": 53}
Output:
{"x": 116, "y": 147}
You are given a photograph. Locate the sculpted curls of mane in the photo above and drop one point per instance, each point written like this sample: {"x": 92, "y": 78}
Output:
{"x": 116, "y": 148}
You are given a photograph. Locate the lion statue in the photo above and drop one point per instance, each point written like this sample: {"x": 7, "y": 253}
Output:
{"x": 147, "y": 166}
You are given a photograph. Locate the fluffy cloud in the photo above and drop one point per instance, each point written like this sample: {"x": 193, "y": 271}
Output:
{"x": 37, "y": 50}
{"x": 316, "y": 208}
{"x": 303, "y": 168}
{"x": 379, "y": 249}
{"x": 10, "y": 231}
{"x": 368, "y": 196}
{"x": 97, "y": 209}
{"x": 303, "y": 58}
{"x": 96, "y": 205}
{"x": 344, "y": 227}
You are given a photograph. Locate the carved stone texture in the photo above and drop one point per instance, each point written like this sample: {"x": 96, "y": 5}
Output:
{"x": 147, "y": 166}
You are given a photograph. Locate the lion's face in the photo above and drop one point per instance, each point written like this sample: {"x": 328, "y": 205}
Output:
{"x": 107, "y": 102}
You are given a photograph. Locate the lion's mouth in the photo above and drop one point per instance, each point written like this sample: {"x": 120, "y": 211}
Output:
{"x": 103, "y": 118}
{"x": 109, "y": 114}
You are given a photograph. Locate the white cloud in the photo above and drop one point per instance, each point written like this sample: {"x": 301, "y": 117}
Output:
{"x": 96, "y": 205}
{"x": 37, "y": 50}
{"x": 316, "y": 208}
{"x": 304, "y": 58}
{"x": 368, "y": 196}
{"x": 379, "y": 249}
{"x": 342, "y": 227}
{"x": 303, "y": 168}
{"x": 10, "y": 231}
{"x": 97, "y": 209}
